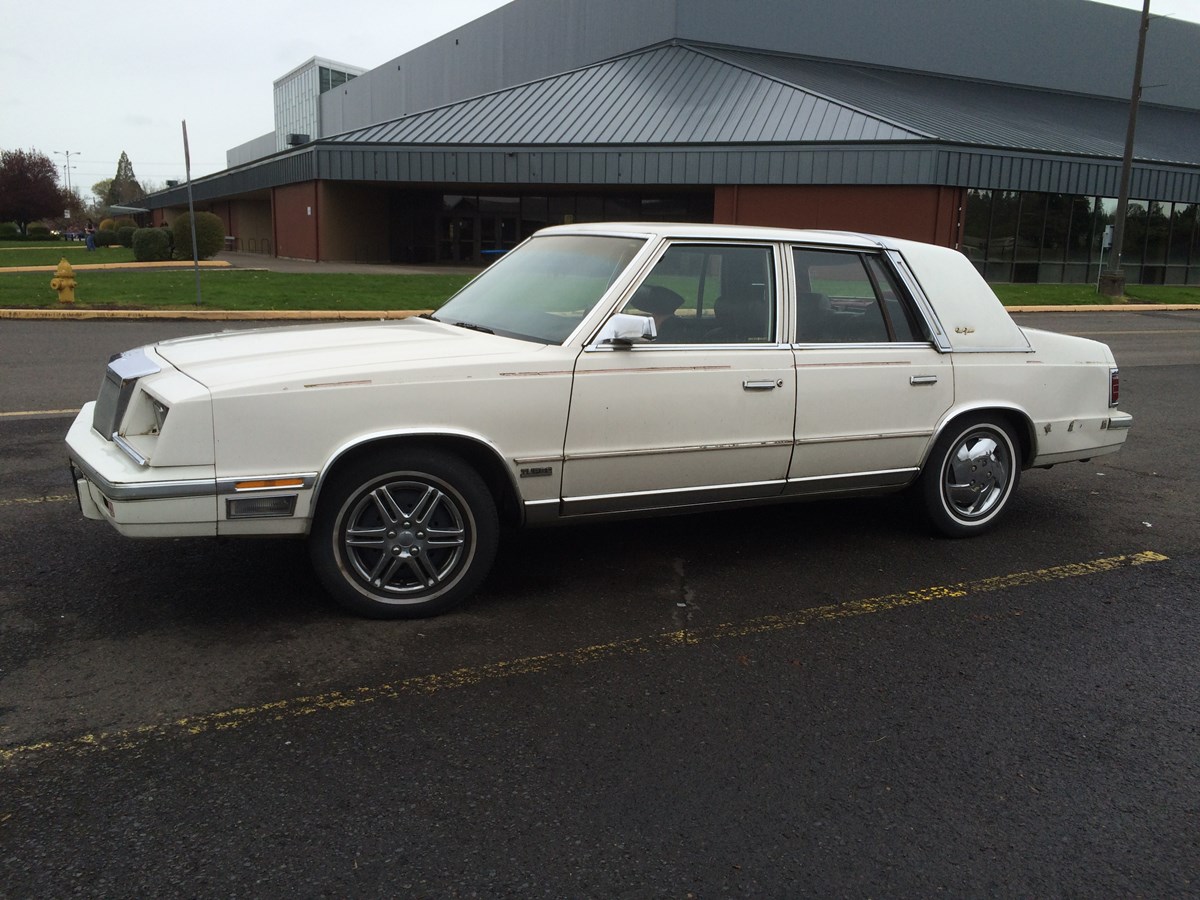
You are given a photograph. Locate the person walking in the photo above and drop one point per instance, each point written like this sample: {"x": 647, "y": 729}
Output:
{"x": 90, "y": 236}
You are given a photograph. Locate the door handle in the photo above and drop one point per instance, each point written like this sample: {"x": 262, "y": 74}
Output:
{"x": 923, "y": 379}
{"x": 761, "y": 385}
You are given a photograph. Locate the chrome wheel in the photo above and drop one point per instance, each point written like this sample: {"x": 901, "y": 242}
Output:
{"x": 976, "y": 476}
{"x": 970, "y": 475}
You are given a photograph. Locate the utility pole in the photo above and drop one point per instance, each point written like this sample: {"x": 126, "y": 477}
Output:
{"x": 68, "y": 154}
{"x": 1112, "y": 282}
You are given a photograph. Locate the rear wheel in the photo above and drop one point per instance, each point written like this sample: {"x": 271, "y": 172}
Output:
{"x": 970, "y": 475}
{"x": 404, "y": 534}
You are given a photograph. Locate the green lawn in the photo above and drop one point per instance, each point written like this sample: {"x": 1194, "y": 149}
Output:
{"x": 240, "y": 289}
{"x": 232, "y": 289}
{"x": 48, "y": 254}
{"x": 1085, "y": 294}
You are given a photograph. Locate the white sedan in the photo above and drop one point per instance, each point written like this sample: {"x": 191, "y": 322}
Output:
{"x": 596, "y": 371}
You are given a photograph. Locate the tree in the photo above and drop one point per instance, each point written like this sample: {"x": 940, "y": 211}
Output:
{"x": 29, "y": 189}
{"x": 124, "y": 189}
{"x": 101, "y": 188}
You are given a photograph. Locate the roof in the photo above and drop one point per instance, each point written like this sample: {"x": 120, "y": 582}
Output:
{"x": 961, "y": 111}
{"x": 665, "y": 95}
{"x": 683, "y": 94}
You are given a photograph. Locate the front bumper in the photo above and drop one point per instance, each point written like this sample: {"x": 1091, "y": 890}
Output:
{"x": 142, "y": 500}
{"x": 139, "y": 501}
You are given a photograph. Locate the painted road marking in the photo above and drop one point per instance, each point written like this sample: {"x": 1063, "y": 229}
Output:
{"x": 29, "y": 501}
{"x": 280, "y": 710}
{"x": 34, "y": 413}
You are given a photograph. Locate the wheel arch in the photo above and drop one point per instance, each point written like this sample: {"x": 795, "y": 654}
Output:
{"x": 472, "y": 449}
{"x": 1017, "y": 418}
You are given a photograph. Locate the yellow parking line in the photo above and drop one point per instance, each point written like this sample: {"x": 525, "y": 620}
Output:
{"x": 279, "y": 710}
{"x": 29, "y": 501}
{"x": 40, "y": 412}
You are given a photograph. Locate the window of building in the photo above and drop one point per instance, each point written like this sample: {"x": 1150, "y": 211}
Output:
{"x": 977, "y": 225}
{"x": 331, "y": 78}
{"x": 1183, "y": 227}
{"x": 1030, "y": 230}
{"x": 1133, "y": 251}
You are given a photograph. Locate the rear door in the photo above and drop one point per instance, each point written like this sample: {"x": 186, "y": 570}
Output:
{"x": 870, "y": 384}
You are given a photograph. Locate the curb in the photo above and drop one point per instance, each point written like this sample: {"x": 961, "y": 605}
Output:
{"x": 101, "y": 267}
{"x": 1107, "y": 307}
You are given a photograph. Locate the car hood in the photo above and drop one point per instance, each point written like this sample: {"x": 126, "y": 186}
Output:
{"x": 345, "y": 352}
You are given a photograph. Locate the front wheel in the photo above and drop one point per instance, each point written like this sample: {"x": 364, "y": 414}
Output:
{"x": 404, "y": 534}
{"x": 970, "y": 475}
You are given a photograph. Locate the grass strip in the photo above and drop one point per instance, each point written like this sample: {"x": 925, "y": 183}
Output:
{"x": 1086, "y": 295}
{"x": 75, "y": 252}
{"x": 234, "y": 289}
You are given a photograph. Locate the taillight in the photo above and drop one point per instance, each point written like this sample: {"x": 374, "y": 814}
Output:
{"x": 1114, "y": 386}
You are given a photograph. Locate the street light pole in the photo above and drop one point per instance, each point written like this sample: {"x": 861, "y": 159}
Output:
{"x": 1112, "y": 282}
{"x": 69, "y": 153}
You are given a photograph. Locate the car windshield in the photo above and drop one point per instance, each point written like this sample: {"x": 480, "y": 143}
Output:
{"x": 542, "y": 290}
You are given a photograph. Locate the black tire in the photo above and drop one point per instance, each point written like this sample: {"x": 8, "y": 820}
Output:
{"x": 970, "y": 476}
{"x": 427, "y": 532}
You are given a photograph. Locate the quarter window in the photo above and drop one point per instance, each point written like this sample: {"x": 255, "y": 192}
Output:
{"x": 710, "y": 294}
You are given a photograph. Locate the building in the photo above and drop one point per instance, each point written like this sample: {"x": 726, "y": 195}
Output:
{"x": 994, "y": 128}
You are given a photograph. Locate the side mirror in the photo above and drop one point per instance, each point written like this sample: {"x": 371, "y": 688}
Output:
{"x": 624, "y": 330}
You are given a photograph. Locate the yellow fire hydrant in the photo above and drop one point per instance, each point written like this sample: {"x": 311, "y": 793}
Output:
{"x": 64, "y": 282}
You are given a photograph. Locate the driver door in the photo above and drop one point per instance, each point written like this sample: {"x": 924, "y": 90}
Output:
{"x": 703, "y": 414}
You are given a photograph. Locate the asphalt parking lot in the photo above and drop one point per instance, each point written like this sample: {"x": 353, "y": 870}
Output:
{"x": 811, "y": 700}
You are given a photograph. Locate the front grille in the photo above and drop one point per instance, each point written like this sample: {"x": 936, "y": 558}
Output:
{"x": 120, "y": 378}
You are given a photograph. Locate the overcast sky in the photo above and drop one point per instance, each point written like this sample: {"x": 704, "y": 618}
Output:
{"x": 97, "y": 78}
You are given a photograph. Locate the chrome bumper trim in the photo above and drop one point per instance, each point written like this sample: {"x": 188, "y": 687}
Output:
{"x": 149, "y": 490}
{"x": 1122, "y": 422}
{"x": 194, "y": 487}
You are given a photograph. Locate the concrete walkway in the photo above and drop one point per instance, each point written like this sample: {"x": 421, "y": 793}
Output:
{"x": 280, "y": 264}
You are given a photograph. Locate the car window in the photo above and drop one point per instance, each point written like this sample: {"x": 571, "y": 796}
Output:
{"x": 903, "y": 320}
{"x": 542, "y": 290}
{"x": 710, "y": 294}
{"x": 844, "y": 297}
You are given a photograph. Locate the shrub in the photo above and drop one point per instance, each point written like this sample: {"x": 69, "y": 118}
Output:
{"x": 151, "y": 244}
{"x": 125, "y": 235}
{"x": 38, "y": 232}
{"x": 210, "y": 235}
{"x": 106, "y": 225}
{"x": 123, "y": 222}
{"x": 9, "y": 229}
{"x": 105, "y": 237}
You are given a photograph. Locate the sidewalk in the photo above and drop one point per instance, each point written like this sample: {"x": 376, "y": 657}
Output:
{"x": 280, "y": 264}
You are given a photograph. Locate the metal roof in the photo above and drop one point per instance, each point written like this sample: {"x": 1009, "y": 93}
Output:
{"x": 665, "y": 95}
{"x": 699, "y": 95}
{"x": 956, "y": 110}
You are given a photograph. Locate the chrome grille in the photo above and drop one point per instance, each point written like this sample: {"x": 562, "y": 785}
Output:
{"x": 120, "y": 378}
